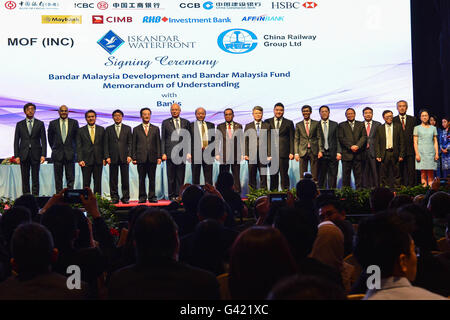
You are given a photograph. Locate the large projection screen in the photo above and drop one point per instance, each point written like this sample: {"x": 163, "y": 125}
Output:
{"x": 107, "y": 55}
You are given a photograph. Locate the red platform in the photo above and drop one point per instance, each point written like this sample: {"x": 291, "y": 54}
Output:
{"x": 160, "y": 203}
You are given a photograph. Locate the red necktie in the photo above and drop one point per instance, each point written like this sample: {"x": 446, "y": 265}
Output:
{"x": 368, "y": 133}
{"x": 307, "y": 132}
{"x": 403, "y": 123}
{"x": 230, "y": 134}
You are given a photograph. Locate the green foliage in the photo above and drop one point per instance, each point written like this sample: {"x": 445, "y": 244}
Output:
{"x": 108, "y": 211}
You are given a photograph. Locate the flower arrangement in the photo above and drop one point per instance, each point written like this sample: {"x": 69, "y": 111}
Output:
{"x": 9, "y": 161}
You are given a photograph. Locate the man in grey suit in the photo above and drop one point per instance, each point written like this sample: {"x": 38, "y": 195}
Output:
{"x": 62, "y": 137}
{"x": 370, "y": 176}
{"x": 146, "y": 154}
{"x": 257, "y": 148}
{"x": 30, "y": 148}
{"x": 353, "y": 139}
{"x": 91, "y": 151}
{"x": 285, "y": 145}
{"x": 171, "y": 135}
{"x": 118, "y": 143}
{"x": 308, "y": 144}
{"x": 390, "y": 150}
{"x": 202, "y": 136}
{"x": 328, "y": 164}
{"x": 230, "y": 147}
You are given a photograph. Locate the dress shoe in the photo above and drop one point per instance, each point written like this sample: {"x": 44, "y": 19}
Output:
{"x": 125, "y": 202}
{"x": 153, "y": 200}
{"x": 114, "y": 201}
{"x": 142, "y": 200}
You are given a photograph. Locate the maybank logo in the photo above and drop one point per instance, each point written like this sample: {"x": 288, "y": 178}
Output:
{"x": 263, "y": 18}
{"x": 237, "y": 41}
{"x": 61, "y": 19}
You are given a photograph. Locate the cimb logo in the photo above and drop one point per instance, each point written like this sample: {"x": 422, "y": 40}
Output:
{"x": 99, "y": 19}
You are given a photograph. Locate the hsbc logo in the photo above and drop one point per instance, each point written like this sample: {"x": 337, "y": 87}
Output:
{"x": 286, "y": 5}
{"x": 99, "y": 19}
{"x": 310, "y": 5}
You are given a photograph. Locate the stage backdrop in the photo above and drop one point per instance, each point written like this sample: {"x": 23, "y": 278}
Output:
{"x": 108, "y": 54}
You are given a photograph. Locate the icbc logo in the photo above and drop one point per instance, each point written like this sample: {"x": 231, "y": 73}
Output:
{"x": 97, "y": 19}
{"x": 10, "y": 5}
{"x": 102, "y": 5}
{"x": 310, "y": 5}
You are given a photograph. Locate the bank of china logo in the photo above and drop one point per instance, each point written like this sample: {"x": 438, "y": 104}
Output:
{"x": 110, "y": 42}
{"x": 237, "y": 41}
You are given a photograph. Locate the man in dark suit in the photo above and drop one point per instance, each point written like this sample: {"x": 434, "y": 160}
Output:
{"x": 118, "y": 143}
{"x": 308, "y": 145}
{"x": 284, "y": 145}
{"x": 230, "y": 147}
{"x": 62, "y": 137}
{"x": 369, "y": 163}
{"x": 157, "y": 273}
{"x": 202, "y": 139}
{"x": 90, "y": 149}
{"x": 146, "y": 154}
{"x": 353, "y": 139}
{"x": 257, "y": 148}
{"x": 30, "y": 148}
{"x": 172, "y": 130}
{"x": 332, "y": 153}
{"x": 408, "y": 165}
{"x": 390, "y": 150}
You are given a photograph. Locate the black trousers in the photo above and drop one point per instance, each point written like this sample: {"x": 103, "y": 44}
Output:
{"x": 252, "y": 171}
{"x": 236, "y": 171}
{"x": 25, "y": 165}
{"x": 283, "y": 168}
{"x": 114, "y": 181}
{"x": 58, "y": 168}
{"x": 175, "y": 177}
{"x": 370, "y": 177}
{"x": 309, "y": 157}
{"x": 207, "y": 172}
{"x": 144, "y": 170}
{"x": 328, "y": 170}
{"x": 408, "y": 171}
{"x": 390, "y": 171}
{"x": 95, "y": 171}
{"x": 347, "y": 167}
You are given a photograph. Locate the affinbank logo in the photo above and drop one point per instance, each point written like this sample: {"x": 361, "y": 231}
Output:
{"x": 237, "y": 41}
{"x": 61, "y": 19}
{"x": 110, "y": 42}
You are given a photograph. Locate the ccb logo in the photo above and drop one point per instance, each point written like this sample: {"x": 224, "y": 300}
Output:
{"x": 237, "y": 41}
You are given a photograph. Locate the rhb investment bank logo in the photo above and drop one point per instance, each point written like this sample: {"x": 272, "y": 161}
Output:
{"x": 110, "y": 42}
{"x": 237, "y": 41}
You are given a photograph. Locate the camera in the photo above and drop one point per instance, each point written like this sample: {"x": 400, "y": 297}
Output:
{"x": 74, "y": 196}
{"x": 276, "y": 197}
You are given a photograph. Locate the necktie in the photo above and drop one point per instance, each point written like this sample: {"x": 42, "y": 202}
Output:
{"x": 118, "y": 131}
{"x": 146, "y": 129}
{"x": 403, "y": 123}
{"x": 278, "y": 124}
{"x": 92, "y": 135}
{"x": 368, "y": 133}
{"x": 257, "y": 128}
{"x": 389, "y": 138}
{"x": 307, "y": 132}
{"x": 230, "y": 134}
{"x": 352, "y": 124}
{"x": 204, "y": 138}
{"x": 177, "y": 124}
{"x": 63, "y": 133}
{"x": 30, "y": 127}
{"x": 325, "y": 133}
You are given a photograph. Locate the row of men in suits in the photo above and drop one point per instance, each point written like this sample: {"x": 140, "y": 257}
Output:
{"x": 318, "y": 144}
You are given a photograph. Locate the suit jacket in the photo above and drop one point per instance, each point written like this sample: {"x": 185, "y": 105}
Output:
{"x": 223, "y": 145}
{"x": 91, "y": 153}
{"x": 196, "y": 148}
{"x": 167, "y": 129}
{"x": 348, "y": 138}
{"x": 314, "y": 139}
{"x": 408, "y": 135}
{"x": 146, "y": 148}
{"x": 371, "y": 137}
{"x": 285, "y": 143}
{"x": 118, "y": 149}
{"x": 24, "y": 143}
{"x": 398, "y": 142}
{"x": 163, "y": 279}
{"x": 263, "y": 141}
{"x": 60, "y": 149}
{"x": 334, "y": 146}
